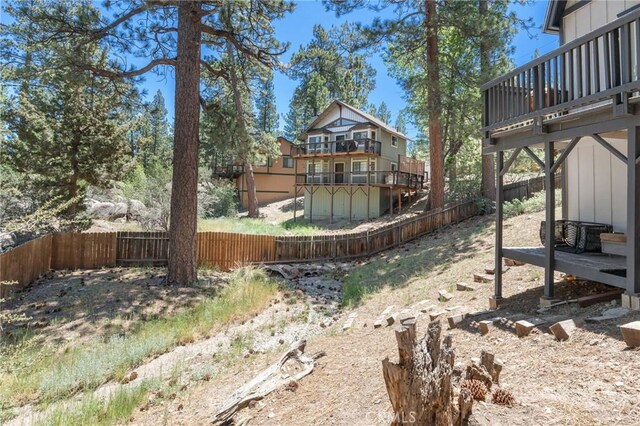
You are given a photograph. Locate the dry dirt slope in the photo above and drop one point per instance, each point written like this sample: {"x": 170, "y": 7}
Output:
{"x": 590, "y": 379}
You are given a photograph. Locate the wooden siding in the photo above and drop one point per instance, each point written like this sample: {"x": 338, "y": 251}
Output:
{"x": 592, "y": 16}
{"x": 597, "y": 184}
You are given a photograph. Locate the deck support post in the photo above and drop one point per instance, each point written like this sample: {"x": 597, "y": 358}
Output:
{"x": 550, "y": 220}
{"x": 350, "y": 203}
{"x": 633, "y": 221}
{"x": 368, "y": 201}
{"x": 499, "y": 218}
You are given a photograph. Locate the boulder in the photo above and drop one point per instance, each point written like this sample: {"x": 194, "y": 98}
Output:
{"x": 100, "y": 210}
{"x": 120, "y": 210}
{"x": 524, "y": 328}
{"x": 7, "y": 240}
{"x": 136, "y": 209}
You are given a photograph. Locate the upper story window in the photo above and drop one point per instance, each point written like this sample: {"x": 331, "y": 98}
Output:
{"x": 315, "y": 139}
{"x": 361, "y": 135}
{"x": 394, "y": 141}
{"x": 287, "y": 162}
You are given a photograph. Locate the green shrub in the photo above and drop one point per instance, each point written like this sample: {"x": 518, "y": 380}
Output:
{"x": 218, "y": 198}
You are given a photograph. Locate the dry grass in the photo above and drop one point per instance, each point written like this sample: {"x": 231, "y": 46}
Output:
{"x": 33, "y": 373}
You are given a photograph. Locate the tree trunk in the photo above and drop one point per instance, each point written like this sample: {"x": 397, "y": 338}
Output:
{"x": 419, "y": 386}
{"x": 488, "y": 181}
{"x": 252, "y": 196}
{"x": 184, "y": 185}
{"x": 434, "y": 106}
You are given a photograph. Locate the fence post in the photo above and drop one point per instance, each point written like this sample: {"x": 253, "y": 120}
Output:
{"x": 368, "y": 244}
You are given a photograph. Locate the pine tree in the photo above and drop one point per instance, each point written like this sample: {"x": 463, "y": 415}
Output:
{"x": 265, "y": 104}
{"x": 383, "y": 113}
{"x": 168, "y": 34}
{"x": 401, "y": 122}
{"x": 160, "y": 132}
{"x": 69, "y": 131}
{"x": 332, "y": 66}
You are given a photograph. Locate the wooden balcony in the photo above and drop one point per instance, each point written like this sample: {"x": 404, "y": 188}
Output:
{"x": 229, "y": 171}
{"x": 394, "y": 179}
{"x": 600, "y": 71}
{"x": 367, "y": 147}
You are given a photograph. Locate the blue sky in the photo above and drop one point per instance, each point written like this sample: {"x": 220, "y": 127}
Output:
{"x": 296, "y": 28}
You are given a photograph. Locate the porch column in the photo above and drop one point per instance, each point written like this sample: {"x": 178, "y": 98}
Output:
{"x": 499, "y": 220}
{"x": 550, "y": 224}
{"x": 633, "y": 222}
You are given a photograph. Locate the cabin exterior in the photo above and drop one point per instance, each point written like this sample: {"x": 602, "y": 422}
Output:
{"x": 274, "y": 179}
{"x": 579, "y": 103}
{"x": 354, "y": 166}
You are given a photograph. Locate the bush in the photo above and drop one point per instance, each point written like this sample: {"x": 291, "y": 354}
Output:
{"x": 218, "y": 198}
{"x": 153, "y": 189}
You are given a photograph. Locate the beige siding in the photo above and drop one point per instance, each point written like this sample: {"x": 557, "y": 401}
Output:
{"x": 592, "y": 16}
{"x": 322, "y": 203}
{"x": 597, "y": 184}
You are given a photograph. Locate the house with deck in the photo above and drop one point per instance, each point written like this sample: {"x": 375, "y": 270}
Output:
{"x": 355, "y": 166}
{"x": 274, "y": 178}
{"x": 580, "y": 105}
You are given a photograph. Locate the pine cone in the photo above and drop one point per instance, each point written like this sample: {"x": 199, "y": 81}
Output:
{"x": 478, "y": 389}
{"x": 503, "y": 397}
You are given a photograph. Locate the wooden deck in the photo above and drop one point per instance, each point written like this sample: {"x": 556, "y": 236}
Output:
{"x": 598, "y": 267}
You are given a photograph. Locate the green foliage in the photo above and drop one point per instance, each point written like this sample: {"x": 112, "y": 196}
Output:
{"x": 332, "y": 66}
{"x": 256, "y": 226}
{"x": 218, "y": 199}
{"x": 153, "y": 188}
{"x": 67, "y": 129}
{"x": 49, "y": 217}
{"x": 265, "y": 104}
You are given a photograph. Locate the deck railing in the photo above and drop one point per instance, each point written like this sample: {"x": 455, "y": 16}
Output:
{"x": 600, "y": 66}
{"x": 348, "y": 146}
{"x": 395, "y": 177}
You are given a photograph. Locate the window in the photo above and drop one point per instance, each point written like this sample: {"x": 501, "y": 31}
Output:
{"x": 360, "y": 135}
{"x": 315, "y": 139}
{"x": 394, "y": 141}
{"x": 373, "y": 135}
{"x": 394, "y": 167}
{"x": 268, "y": 163}
{"x": 359, "y": 171}
{"x": 287, "y": 162}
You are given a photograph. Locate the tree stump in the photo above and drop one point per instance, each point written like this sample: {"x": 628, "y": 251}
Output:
{"x": 419, "y": 385}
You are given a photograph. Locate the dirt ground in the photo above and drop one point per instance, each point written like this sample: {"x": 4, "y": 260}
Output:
{"x": 78, "y": 306}
{"x": 589, "y": 379}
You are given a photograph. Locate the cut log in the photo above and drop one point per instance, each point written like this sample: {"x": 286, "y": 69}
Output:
{"x": 597, "y": 298}
{"x": 292, "y": 366}
{"x": 419, "y": 385}
{"x": 383, "y": 317}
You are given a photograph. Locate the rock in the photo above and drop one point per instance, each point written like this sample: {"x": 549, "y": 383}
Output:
{"x": 349, "y": 322}
{"x": 129, "y": 377}
{"x": 7, "y": 240}
{"x": 631, "y": 333}
{"x": 465, "y": 287}
{"x": 405, "y": 314}
{"x": 455, "y": 320}
{"x": 136, "y": 209}
{"x": 524, "y": 328}
{"x": 511, "y": 262}
{"x": 562, "y": 330}
{"x": 609, "y": 314}
{"x": 485, "y": 326}
{"x": 392, "y": 318}
{"x": 425, "y": 309}
{"x": 444, "y": 296}
{"x": 490, "y": 269}
{"x": 434, "y": 315}
{"x": 482, "y": 278}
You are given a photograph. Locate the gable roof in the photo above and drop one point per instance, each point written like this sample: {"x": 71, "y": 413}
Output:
{"x": 368, "y": 117}
{"x": 553, "y": 18}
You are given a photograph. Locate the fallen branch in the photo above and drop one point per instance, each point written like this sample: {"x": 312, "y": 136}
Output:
{"x": 292, "y": 366}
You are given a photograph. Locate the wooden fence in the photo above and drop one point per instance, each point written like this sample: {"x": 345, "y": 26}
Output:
{"x": 225, "y": 250}
{"x": 357, "y": 244}
{"x": 25, "y": 263}
{"x": 526, "y": 188}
